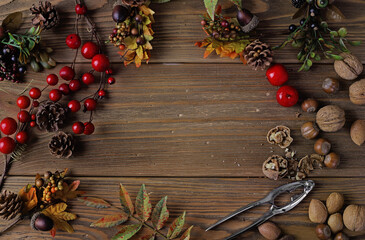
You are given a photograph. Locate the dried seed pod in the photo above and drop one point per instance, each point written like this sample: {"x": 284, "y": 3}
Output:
{"x": 280, "y": 136}
{"x": 269, "y": 230}
{"x": 332, "y": 160}
{"x": 330, "y": 118}
{"x": 317, "y": 211}
{"x": 357, "y": 92}
{"x": 275, "y": 167}
{"x": 322, "y": 146}
{"x": 335, "y": 202}
{"x": 357, "y": 132}
{"x": 335, "y": 222}
{"x": 331, "y": 85}
{"x": 309, "y": 130}
{"x": 323, "y": 231}
{"x": 309, "y": 105}
{"x": 349, "y": 68}
{"x": 354, "y": 218}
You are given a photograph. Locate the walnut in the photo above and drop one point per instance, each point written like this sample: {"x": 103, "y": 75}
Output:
{"x": 300, "y": 176}
{"x": 305, "y": 165}
{"x": 275, "y": 167}
{"x": 349, "y": 68}
{"x": 280, "y": 136}
{"x": 317, "y": 160}
{"x": 357, "y": 92}
{"x": 330, "y": 118}
{"x": 354, "y": 218}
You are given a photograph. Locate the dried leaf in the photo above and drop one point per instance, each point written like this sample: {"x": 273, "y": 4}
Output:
{"x": 125, "y": 200}
{"x": 94, "y": 202}
{"x": 127, "y": 232}
{"x": 13, "y": 21}
{"x": 110, "y": 220}
{"x": 210, "y": 5}
{"x": 29, "y": 197}
{"x": 67, "y": 216}
{"x": 176, "y": 227}
{"x": 160, "y": 214}
{"x": 143, "y": 204}
{"x": 186, "y": 235}
{"x": 333, "y": 13}
{"x": 69, "y": 191}
{"x": 59, "y": 216}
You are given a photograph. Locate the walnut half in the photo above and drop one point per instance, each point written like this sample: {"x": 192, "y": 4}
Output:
{"x": 275, "y": 167}
{"x": 280, "y": 136}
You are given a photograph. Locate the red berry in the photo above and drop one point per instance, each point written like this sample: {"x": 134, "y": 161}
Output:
{"x": 111, "y": 80}
{"x": 35, "y": 93}
{"x": 109, "y": 71}
{"x": 121, "y": 47}
{"x": 67, "y": 73}
{"x": 287, "y": 96}
{"x": 73, "y": 41}
{"x": 78, "y": 127}
{"x": 89, "y": 50}
{"x": 52, "y": 79}
{"x": 75, "y": 85}
{"x": 33, "y": 117}
{"x": 35, "y": 103}
{"x": 64, "y": 88}
{"x": 74, "y": 105}
{"x": 21, "y": 137}
{"x": 80, "y": 9}
{"x": 7, "y": 145}
{"x": 100, "y": 63}
{"x": 8, "y": 126}
{"x": 277, "y": 74}
{"x": 33, "y": 124}
{"x": 88, "y": 78}
{"x": 101, "y": 93}
{"x": 115, "y": 31}
{"x": 55, "y": 95}
{"x": 89, "y": 128}
{"x": 224, "y": 24}
{"x": 23, "y": 102}
{"x": 90, "y": 104}
{"x": 23, "y": 116}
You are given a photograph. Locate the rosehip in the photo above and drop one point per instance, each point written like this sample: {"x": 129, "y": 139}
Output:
{"x": 109, "y": 71}
{"x": 21, "y": 137}
{"x": 78, "y": 127}
{"x": 101, "y": 93}
{"x": 23, "y": 102}
{"x": 52, "y": 79}
{"x": 23, "y": 116}
{"x": 89, "y": 128}
{"x": 121, "y": 47}
{"x": 8, "y": 126}
{"x": 7, "y": 145}
{"x": 33, "y": 117}
{"x": 74, "y": 105}
{"x": 73, "y": 41}
{"x": 55, "y": 95}
{"x": 67, "y": 73}
{"x": 90, "y": 104}
{"x": 287, "y": 96}
{"x": 32, "y": 124}
{"x": 35, "y": 93}
{"x": 89, "y": 50}
{"x": 88, "y": 78}
{"x": 80, "y": 9}
{"x": 100, "y": 63}
{"x": 277, "y": 74}
{"x": 74, "y": 85}
{"x": 111, "y": 80}
{"x": 64, "y": 88}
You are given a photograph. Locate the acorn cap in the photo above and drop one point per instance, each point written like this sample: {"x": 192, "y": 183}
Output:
{"x": 247, "y": 20}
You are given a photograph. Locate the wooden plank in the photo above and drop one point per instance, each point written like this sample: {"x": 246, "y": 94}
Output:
{"x": 204, "y": 199}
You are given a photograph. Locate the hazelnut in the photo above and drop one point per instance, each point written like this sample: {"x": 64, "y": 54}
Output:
{"x": 269, "y": 230}
{"x": 287, "y": 237}
{"x": 322, "y": 146}
{"x": 335, "y": 202}
{"x": 330, "y": 118}
{"x": 335, "y": 222}
{"x": 332, "y": 160}
{"x": 317, "y": 211}
{"x": 39, "y": 182}
{"x": 309, "y": 105}
{"x": 349, "y": 67}
{"x": 341, "y": 236}
{"x": 354, "y": 218}
{"x": 331, "y": 85}
{"x": 323, "y": 231}
{"x": 357, "y": 132}
{"x": 357, "y": 92}
{"x": 309, "y": 130}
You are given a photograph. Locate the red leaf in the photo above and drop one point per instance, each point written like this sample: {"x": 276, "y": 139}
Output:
{"x": 125, "y": 200}
{"x": 94, "y": 202}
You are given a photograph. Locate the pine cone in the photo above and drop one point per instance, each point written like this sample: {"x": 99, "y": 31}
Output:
{"x": 46, "y": 15}
{"x": 62, "y": 145}
{"x": 50, "y": 116}
{"x": 10, "y": 205}
{"x": 258, "y": 55}
{"x": 134, "y": 3}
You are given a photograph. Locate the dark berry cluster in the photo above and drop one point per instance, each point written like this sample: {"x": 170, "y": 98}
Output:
{"x": 10, "y": 67}
{"x": 221, "y": 28}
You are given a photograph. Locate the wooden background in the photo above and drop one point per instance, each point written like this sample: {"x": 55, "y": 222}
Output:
{"x": 190, "y": 128}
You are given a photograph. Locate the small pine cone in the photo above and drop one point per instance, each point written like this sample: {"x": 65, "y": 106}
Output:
{"x": 50, "y": 116}
{"x": 10, "y": 205}
{"x": 45, "y": 15}
{"x": 62, "y": 145}
{"x": 258, "y": 55}
{"x": 134, "y": 3}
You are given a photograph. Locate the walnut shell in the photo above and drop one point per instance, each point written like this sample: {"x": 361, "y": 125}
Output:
{"x": 357, "y": 132}
{"x": 357, "y": 92}
{"x": 349, "y": 68}
{"x": 354, "y": 218}
{"x": 269, "y": 230}
{"x": 317, "y": 211}
{"x": 335, "y": 222}
{"x": 335, "y": 202}
{"x": 280, "y": 136}
{"x": 275, "y": 167}
{"x": 330, "y": 118}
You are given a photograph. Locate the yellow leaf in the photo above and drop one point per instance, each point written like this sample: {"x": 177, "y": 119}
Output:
{"x": 148, "y": 46}
{"x": 29, "y": 198}
{"x": 67, "y": 216}
{"x": 140, "y": 52}
{"x": 69, "y": 191}
{"x": 59, "y": 216}
{"x": 146, "y": 10}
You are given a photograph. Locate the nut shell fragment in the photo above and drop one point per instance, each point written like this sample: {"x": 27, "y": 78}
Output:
{"x": 275, "y": 167}
{"x": 280, "y": 136}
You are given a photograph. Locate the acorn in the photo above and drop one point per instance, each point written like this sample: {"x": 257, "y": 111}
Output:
{"x": 141, "y": 40}
{"x": 247, "y": 20}
{"x": 120, "y": 13}
{"x": 41, "y": 222}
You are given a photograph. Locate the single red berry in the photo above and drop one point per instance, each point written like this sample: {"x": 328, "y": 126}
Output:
{"x": 101, "y": 93}
{"x": 80, "y": 9}
{"x": 89, "y": 50}
{"x": 35, "y": 93}
{"x": 90, "y": 104}
{"x": 7, "y": 145}
{"x": 35, "y": 103}
{"x": 100, "y": 63}
{"x": 23, "y": 116}
{"x": 74, "y": 105}
{"x": 224, "y": 24}
{"x": 55, "y": 95}
{"x": 115, "y": 31}
{"x": 75, "y": 85}
{"x": 67, "y": 73}
{"x": 89, "y": 128}
{"x": 88, "y": 78}
{"x": 52, "y": 79}
{"x": 33, "y": 117}
{"x": 111, "y": 80}
{"x": 203, "y": 22}
{"x": 78, "y": 127}
{"x": 32, "y": 124}
{"x": 287, "y": 96}
{"x": 8, "y": 126}
{"x": 64, "y": 88}
{"x": 21, "y": 137}
{"x": 121, "y": 47}
{"x": 277, "y": 74}
{"x": 73, "y": 41}
{"x": 23, "y": 102}
{"x": 109, "y": 71}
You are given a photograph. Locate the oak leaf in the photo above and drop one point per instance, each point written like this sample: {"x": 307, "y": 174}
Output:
{"x": 69, "y": 191}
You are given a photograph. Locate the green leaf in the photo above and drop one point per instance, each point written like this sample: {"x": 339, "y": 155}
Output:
{"x": 210, "y": 5}
{"x": 334, "y": 56}
{"x": 334, "y": 33}
{"x": 354, "y": 43}
{"x": 317, "y": 57}
{"x": 13, "y": 21}
{"x": 313, "y": 54}
{"x": 125, "y": 200}
{"x": 143, "y": 204}
{"x": 342, "y": 32}
{"x": 94, "y": 202}
{"x": 110, "y": 220}
{"x": 309, "y": 63}
{"x": 127, "y": 232}
{"x": 237, "y": 2}
{"x": 31, "y": 44}
{"x": 186, "y": 235}
{"x": 176, "y": 227}
{"x": 342, "y": 45}
{"x": 160, "y": 214}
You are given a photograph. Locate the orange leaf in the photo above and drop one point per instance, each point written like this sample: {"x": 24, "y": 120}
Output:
{"x": 69, "y": 191}
{"x": 198, "y": 44}
{"x": 29, "y": 198}
{"x": 243, "y": 60}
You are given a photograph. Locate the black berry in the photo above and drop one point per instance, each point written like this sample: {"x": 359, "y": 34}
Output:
{"x": 292, "y": 28}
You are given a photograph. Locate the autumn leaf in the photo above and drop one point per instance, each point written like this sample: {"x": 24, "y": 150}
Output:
{"x": 186, "y": 235}
{"x": 150, "y": 236}
{"x": 143, "y": 204}
{"x": 94, "y": 202}
{"x": 176, "y": 227}
{"x": 57, "y": 213}
{"x": 110, "y": 220}
{"x": 127, "y": 232}
{"x": 160, "y": 214}
{"x": 210, "y": 5}
{"x": 125, "y": 200}
{"x": 69, "y": 191}
{"x": 29, "y": 197}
